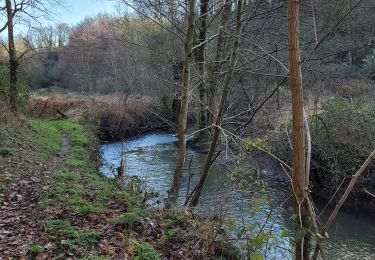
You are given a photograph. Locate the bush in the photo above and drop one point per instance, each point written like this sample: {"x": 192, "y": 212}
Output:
{"x": 342, "y": 138}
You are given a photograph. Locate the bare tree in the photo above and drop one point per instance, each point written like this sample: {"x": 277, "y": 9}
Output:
{"x": 219, "y": 116}
{"x": 175, "y": 188}
{"x": 13, "y": 62}
{"x": 302, "y": 241}
{"x": 25, "y": 11}
{"x": 200, "y": 60}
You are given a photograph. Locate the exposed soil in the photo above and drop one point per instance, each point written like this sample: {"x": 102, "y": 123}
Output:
{"x": 19, "y": 225}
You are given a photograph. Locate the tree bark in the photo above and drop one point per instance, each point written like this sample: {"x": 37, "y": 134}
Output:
{"x": 200, "y": 61}
{"x": 175, "y": 188}
{"x": 219, "y": 116}
{"x": 13, "y": 63}
{"x": 302, "y": 241}
{"x": 217, "y": 64}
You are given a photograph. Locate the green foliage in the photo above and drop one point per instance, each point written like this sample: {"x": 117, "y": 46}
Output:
{"x": 145, "y": 251}
{"x": 23, "y": 91}
{"x": 35, "y": 250}
{"x": 5, "y": 151}
{"x": 132, "y": 218}
{"x": 343, "y": 136}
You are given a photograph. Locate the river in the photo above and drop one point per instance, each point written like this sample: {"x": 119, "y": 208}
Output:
{"x": 151, "y": 157}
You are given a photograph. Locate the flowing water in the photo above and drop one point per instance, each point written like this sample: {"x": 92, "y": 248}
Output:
{"x": 152, "y": 158}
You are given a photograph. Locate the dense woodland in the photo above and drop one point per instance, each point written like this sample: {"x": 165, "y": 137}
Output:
{"x": 290, "y": 82}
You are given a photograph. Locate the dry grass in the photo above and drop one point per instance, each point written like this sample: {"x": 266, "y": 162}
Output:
{"x": 119, "y": 116}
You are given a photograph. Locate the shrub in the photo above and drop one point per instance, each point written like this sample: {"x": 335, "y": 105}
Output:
{"x": 342, "y": 138}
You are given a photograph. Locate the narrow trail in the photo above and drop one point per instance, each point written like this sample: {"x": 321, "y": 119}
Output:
{"x": 19, "y": 225}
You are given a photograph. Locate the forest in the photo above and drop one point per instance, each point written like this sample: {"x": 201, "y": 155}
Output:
{"x": 196, "y": 129}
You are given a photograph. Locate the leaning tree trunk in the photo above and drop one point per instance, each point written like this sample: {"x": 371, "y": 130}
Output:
{"x": 302, "y": 241}
{"x": 219, "y": 116}
{"x": 200, "y": 61}
{"x": 343, "y": 198}
{"x": 175, "y": 188}
{"x": 13, "y": 63}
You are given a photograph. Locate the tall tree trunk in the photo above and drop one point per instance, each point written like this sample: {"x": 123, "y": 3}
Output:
{"x": 175, "y": 188}
{"x": 302, "y": 241}
{"x": 13, "y": 63}
{"x": 200, "y": 61}
{"x": 215, "y": 68}
{"x": 219, "y": 116}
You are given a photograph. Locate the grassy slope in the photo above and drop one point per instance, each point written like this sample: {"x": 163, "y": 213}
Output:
{"x": 86, "y": 215}
{"x": 76, "y": 200}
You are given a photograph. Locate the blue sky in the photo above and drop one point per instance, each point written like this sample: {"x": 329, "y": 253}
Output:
{"x": 72, "y": 12}
{"x": 77, "y": 10}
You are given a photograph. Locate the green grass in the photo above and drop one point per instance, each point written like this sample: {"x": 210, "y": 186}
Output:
{"x": 46, "y": 138}
{"x": 35, "y": 250}
{"x": 79, "y": 198}
{"x": 77, "y": 187}
{"x": 144, "y": 251}
{"x": 62, "y": 232}
{"x": 131, "y": 218}
{"x": 77, "y": 178}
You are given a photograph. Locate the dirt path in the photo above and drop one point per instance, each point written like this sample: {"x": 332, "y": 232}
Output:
{"x": 19, "y": 225}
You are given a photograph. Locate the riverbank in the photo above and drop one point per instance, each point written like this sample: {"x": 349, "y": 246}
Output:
{"x": 55, "y": 204}
{"x": 117, "y": 116}
{"x": 260, "y": 201}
